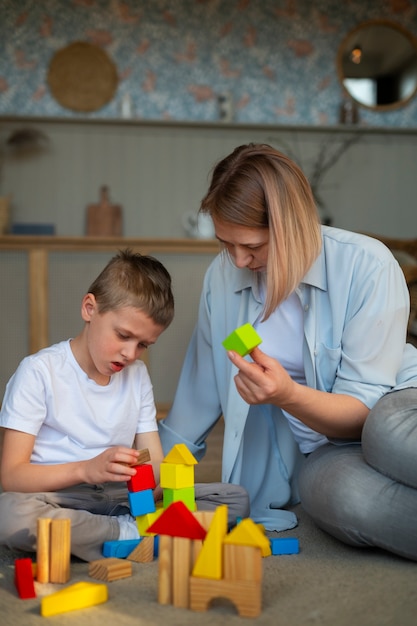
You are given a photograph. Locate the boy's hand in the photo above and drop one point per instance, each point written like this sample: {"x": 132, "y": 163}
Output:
{"x": 112, "y": 465}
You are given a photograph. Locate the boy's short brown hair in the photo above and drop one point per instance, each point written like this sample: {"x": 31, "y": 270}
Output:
{"x": 136, "y": 280}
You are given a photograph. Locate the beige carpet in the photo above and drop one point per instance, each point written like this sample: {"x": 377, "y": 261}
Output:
{"x": 326, "y": 584}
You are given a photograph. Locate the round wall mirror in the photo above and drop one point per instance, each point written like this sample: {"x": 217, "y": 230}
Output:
{"x": 377, "y": 65}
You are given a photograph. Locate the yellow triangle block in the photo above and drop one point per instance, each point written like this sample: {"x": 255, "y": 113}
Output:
{"x": 209, "y": 563}
{"x": 180, "y": 454}
{"x": 247, "y": 533}
{"x": 78, "y": 596}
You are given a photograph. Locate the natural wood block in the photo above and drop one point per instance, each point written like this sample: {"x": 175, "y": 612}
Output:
{"x": 43, "y": 543}
{"x": 245, "y": 595}
{"x": 242, "y": 563}
{"x": 181, "y": 570}
{"x": 60, "y": 551}
{"x": 110, "y": 569}
{"x": 165, "y": 570}
{"x": 143, "y": 553}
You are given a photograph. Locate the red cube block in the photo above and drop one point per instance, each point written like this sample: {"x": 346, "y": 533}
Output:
{"x": 143, "y": 479}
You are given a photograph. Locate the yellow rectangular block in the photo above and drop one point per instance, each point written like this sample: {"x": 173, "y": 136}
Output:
{"x": 176, "y": 476}
{"x": 78, "y": 596}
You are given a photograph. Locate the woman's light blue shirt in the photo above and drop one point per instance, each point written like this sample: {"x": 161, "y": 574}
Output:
{"x": 356, "y": 306}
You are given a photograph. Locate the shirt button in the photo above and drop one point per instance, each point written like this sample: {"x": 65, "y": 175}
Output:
{"x": 306, "y": 307}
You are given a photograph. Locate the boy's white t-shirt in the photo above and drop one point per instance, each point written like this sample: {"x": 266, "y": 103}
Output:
{"x": 282, "y": 337}
{"x": 72, "y": 417}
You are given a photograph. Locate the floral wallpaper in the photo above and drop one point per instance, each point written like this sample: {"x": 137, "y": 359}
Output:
{"x": 274, "y": 61}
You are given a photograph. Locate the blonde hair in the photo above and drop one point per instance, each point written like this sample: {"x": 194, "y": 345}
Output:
{"x": 132, "y": 279}
{"x": 258, "y": 187}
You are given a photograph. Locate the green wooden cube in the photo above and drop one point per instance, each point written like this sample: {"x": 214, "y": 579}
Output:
{"x": 242, "y": 340}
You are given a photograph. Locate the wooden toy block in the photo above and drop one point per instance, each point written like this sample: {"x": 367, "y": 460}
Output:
{"x": 209, "y": 563}
{"x": 247, "y": 533}
{"x": 178, "y": 521}
{"x": 119, "y": 549}
{"x": 245, "y": 595}
{"x": 144, "y": 457}
{"x": 143, "y": 522}
{"x": 242, "y": 563}
{"x": 141, "y": 502}
{"x": 23, "y": 578}
{"x": 176, "y": 475}
{"x": 180, "y": 454}
{"x": 144, "y": 551}
{"x": 143, "y": 479}
{"x": 242, "y": 340}
{"x": 186, "y": 495}
{"x": 204, "y": 518}
{"x": 165, "y": 569}
{"x": 43, "y": 548}
{"x": 110, "y": 569}
{"x": 181, "y": 570}
{"x": 284, "y": 545}
{"x": 78, "y": 596}
{"x": 60, "y": 551}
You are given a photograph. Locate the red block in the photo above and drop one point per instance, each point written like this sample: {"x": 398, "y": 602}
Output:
{"x": 23, "y": 578}
{"x": 143, "y": 479}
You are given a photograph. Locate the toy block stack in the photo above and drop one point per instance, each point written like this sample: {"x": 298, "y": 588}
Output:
{"x": 177, "y": 477}
{"x": 142, "y": 507}
{"x": 178, "y": 531}
{"x": 230, "y": 566}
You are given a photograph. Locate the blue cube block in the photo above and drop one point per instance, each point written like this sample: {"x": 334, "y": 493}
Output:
{"x": 141, "y": 502}
{"x": 120, "y": 549}
{"x": 284, "y": 545}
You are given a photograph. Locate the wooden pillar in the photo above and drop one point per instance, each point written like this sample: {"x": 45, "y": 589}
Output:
{"x": 38, "y": 299}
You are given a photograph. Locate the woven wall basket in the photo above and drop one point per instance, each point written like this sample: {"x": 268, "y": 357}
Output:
{"x": 82, "y": 77}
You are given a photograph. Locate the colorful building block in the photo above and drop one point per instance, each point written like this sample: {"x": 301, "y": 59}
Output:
{"x": 247, "y": 533}
{"x": 143, "y": 479}
{"x": 178, "y": 521}
{"x": 186, "y": 495}
{"x": 284, "y": 545}
{"x": 180, "y": 454}
{"x": 78, "y": 596}
{"x": 141, "y": 502}
{"x": 209, "y": 563}
{"x": 242, "y": 340}
{"x": 143, "y": 522}
{"x": 23, "y": 578}
{"x": 119, "y": 549}
{"x": 176, "y": 475}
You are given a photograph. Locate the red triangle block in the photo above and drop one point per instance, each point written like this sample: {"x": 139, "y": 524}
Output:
{"x": 178, "y": 521}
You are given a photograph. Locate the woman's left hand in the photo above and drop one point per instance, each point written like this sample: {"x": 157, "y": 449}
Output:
{"x": 264, "y": 381}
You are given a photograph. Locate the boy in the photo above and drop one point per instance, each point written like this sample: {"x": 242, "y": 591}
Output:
{"x": 75, "y": 415}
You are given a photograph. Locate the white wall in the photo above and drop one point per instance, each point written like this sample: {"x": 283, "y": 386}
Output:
{"x": 159, "y": 171}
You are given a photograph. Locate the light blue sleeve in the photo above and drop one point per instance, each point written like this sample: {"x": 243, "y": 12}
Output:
{"x": 196, "y": 407}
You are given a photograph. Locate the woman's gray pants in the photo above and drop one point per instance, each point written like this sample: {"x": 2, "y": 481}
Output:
{"x": 366, "y": 495}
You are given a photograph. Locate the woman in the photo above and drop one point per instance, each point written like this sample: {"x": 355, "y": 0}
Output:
{"x": 332, "y": 309}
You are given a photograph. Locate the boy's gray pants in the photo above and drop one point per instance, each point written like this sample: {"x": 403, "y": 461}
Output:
{"x": 93, "y": 511}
